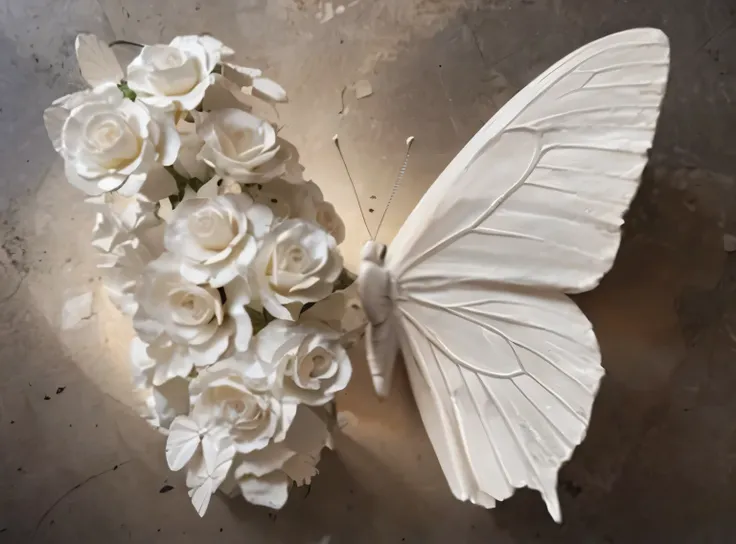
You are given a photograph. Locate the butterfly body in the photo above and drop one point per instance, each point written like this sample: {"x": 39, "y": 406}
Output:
{"x": 503, "y": 366}
{"x": 377, "y": 291}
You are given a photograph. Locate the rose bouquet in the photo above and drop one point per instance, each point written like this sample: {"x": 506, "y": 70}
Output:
{"x": 224, "y": 258}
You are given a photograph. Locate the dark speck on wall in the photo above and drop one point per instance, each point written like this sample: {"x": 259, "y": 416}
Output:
{"x": 60, "y": 390}
{"x": 46, "y": 397}
{"x": 166, "y": 488}
{"x": 571, "y": 488}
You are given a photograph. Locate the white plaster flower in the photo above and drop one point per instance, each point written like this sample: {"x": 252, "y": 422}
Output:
{"x": 240, "y": 147}
{"x": 286, "y": 200}
{"x": 187, "y": 164}
{"x": 251, "y": 80}
{"x": 264, "y": 477}
{"x": 176, "y": 76}
{"x": 216, "y": 238}
{"x": 225, "y": 397}
{"x": 207, "y": 471}
{"x": 261, "y": 479}
{"x": 186, "y": 326}
{"x": 108, "y": 142}
{"x": 195, "y": 442}
{"x": 163, "y": 402}
{"x": 325, "y": 214}
{"x": 97, "y": 61}
{"x": 298, "y": 201}
{"x": 125, "y": 245}
{"x": 227, "y": 418}
{"x": 297, "y": 263}
{"x": 311, "y": 363}
{"x": 188, "y": 313}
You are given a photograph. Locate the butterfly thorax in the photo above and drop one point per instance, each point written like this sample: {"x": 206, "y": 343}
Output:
{"x": 374, "y": 284}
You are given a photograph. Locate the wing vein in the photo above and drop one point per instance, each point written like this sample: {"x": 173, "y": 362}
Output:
{"x": 588, "y": 147}
{"x": 513, "y": 321}
{"x": 593, "y": 109}
{"x": 578, "y": 195}
{"x": 494, "y": 330}
{"x": 454, "y": 358}
{"x": 570, "y": 170}
{"x": 550, "y": 85}
{"x": 624, "y": 65}
{"x": 462, "y": 232}
{"x": 555, "y": 395}
{"x": 611, "y": 86}
{"x": 487, "y": 431}
{"x": 552, "y": 243}
{"x": 506, "y": 234}
{"x": 515, "y": 435}
{"x": 541, "y": 412}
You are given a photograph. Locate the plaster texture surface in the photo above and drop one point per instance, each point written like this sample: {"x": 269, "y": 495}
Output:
{"x": 658, "y": 465}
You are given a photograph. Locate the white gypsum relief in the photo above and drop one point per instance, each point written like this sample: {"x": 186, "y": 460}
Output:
{"x": 223, "y": 257}
{"x": 504, "y": 367}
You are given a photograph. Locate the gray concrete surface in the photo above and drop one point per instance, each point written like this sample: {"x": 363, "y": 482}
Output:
{"x": 658, "y": 463}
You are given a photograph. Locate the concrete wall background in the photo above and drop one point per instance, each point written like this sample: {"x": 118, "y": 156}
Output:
{"x": 658, "y": 463}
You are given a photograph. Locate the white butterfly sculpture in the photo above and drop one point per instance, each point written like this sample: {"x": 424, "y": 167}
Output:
{"x": 504, "y": 367}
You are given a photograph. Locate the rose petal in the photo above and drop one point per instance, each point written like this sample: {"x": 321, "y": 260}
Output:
{"x": 171, "y": 400}
{"x": 54, "y": 118}
{"x": 194, "y": 273}
{"x": 271, "y": 490}
{"x": 208, "y": 353}
{"x": 268, "y": 89}
{"x": 182, "y": 442}
{"x": 170, "y": 142}
{"x": 88, "y": 186}
{"x": 172, "y": 364}
{"x": 265, "y": 461}
{"x": 96, "y": 61}
{"x": 243, "y": 331}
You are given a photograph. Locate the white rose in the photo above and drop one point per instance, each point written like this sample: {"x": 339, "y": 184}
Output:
{"x": 298, "y": 201}
{"x": 197, "y": 441}
{"x": 108, "y": 142}
{"x": 325, "y": 214}
{"x": 176, "y": 76}
{"x": 297, "y": 263}
{"x": 216, "y": 238}
{"x": 264, "y": 477}
{"x": 224, "y": 396}
{"x": 311, "y": 363}
{"x": 125, "y": 245}
{"x": 163, "y": 402}
{"x": 239, "y": 146}
{"x": 187, "y": 164}
{"x": 97, "y": 61}
{"x": 286, "y": 200}
{"x": 186, "y": 312}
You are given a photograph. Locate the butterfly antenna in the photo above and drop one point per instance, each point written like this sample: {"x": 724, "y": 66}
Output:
{"x": 352, "y": 183}
{"x": 395, "y": 188}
